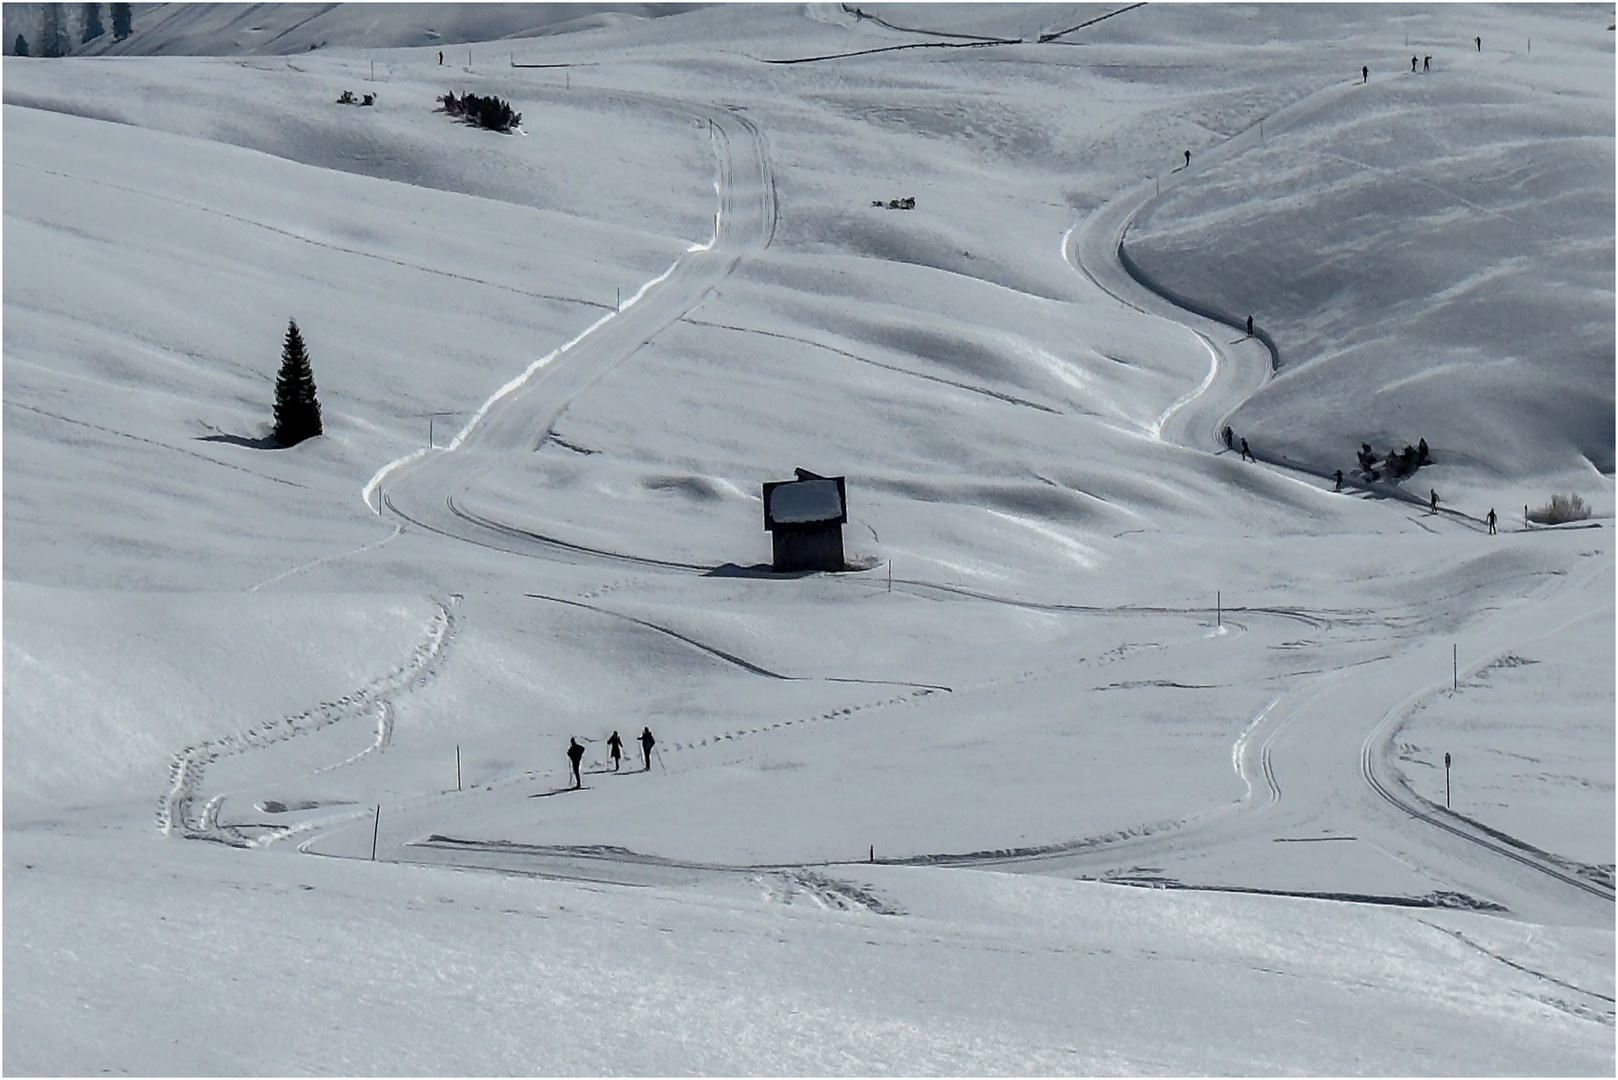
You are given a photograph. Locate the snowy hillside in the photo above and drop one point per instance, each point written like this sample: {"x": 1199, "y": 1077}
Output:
{"x": 1113, "y": 751}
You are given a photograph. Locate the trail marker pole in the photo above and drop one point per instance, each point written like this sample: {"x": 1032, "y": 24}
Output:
{"x": 618, "y": 304}
{"x": 1219, "y": 609}
{"x": 1446, "y": 779}
{"x": 873, "y": 853}
{"x": 457, "y": 766}
{"x": 890, "y": 575}
{"x": 1455, "y": 667}
{"x": 376, "y": 827}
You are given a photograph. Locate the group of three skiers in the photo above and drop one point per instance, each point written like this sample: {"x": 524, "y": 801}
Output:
{"x": 615, "y": 747}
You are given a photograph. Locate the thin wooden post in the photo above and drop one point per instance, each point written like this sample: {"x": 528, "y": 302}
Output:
{"x": 1446, "y": 780}
{"x": 1455, "y": 667}
{"x": 1219, "y": 609}
{"x": 457, "y": 766}
{"x": 375, "y": 828}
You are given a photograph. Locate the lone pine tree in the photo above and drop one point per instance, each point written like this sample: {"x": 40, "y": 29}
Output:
{"x": 297, "y": 413}
{"x": 123, "y": 18}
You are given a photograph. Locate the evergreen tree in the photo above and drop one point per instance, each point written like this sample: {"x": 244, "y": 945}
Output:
{"x": 297, "y": 413}
{"x": 92, "y": 23}
{"x": 122, "y": 18}
{"x": 21, "y": 46}
{"x": 52, "y": 33}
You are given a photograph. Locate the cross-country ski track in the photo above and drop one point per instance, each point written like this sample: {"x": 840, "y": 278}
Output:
{"x": 1317, "y": 755}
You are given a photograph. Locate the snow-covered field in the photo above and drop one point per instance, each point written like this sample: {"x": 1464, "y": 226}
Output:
{"x": 1114, "y": 752}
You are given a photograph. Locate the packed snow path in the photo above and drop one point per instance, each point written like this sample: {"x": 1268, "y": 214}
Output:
{"x": 433, "y": 490}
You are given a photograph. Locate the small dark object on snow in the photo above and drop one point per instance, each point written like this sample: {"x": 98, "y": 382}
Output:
{"x": 1188, "y": 159}
{"x": 646, "y": 744}
{"x": 1480, "y": 43}
{"x": 346, "y": 98}
{"x": 369, "y": 99}
{"x": 1365, "y": 75}
{"x": 485, "y": 112}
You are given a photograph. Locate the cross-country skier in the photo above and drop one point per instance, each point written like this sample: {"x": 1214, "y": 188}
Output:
{"x": 1247, "y": 455}
{"x": 1339, "y": 486}
{"x": 1413, "y": 65}
{"x": 1230, "y": 438}
{"x": 1434, "y": 493}
{"x": 615, "y": 747}
{"x": 1426, "y": 63}
{"x": 1188, "y": 159}
{"x": 1365, "y": 75}
{"x": 1480, "y": 43}
{"x": 575, "y": 754}
{"x": 1491, "y": 520}
{"x": 646, "y": 744}
{"x": 1250, "y": 326}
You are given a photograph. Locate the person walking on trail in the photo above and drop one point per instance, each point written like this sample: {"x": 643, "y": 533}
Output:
{"x": 1426, "y": 63}
{"x": 1230, "y": 438}
{"x": 615, "y": 747}
{"x": 1339, "y": 486}
{"x": 1433, "y": 492}
{"x": 1250, "y": 326}
{"x": 1480, "y": 43}
{"x": 1412, "y": 65}
{"x": 440, "y": 58}
{"x": 1365, "y": 75}
{"x": 1491, "y": 520}
{"x": 575, "y": 754}
{"x": 1247, "y": 455}
{"x": 646, "y": 744}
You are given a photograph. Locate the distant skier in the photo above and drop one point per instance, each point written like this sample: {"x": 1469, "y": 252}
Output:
{"x": 1413, "y": 60}
{"x": 1426, "y": 63}
{"x": 1250, "y": 326}
{"x": 646, "y": 744}
{"x": 1188, "y": 159}
{"x": 615, "y": 747}
{"x": 1480, "y": 43}
{"x": 1230, "y": 438}
{"x": 1365, "y": 75}
{"x": 1434, "y": 493}
{"x": 440, "y": 58}
{"x": 1247, "y": 455}
{"x": 1339, "y": 486}
{"x": 575, "y": 754}
{"x": 1491, "y": 520}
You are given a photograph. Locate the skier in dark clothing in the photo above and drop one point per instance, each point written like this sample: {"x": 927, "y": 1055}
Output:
{"x": 1339, "y": 486}
{"x": 1188, "y": 159}
{"x": 615, "y": 747}
{"x": 1413, "y": 65}
{"x": 1247, "y": 455}
{"x": 1230, "y": 438}
{"x": 1491, "y": 520}
{"x": 1250, "y": 326}
{"x": 1426, "y": 63}
{"x": 1480, "y": 43}
{"x": 646, "y": 744}
{"x": 1365, "y": 75}
{"x": 440, "y": 59}
{"x": 575, "y": 754}
{"x": 1434, "y": 493}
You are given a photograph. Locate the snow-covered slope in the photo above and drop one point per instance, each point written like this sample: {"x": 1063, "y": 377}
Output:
{"x": 1081, "y": 640}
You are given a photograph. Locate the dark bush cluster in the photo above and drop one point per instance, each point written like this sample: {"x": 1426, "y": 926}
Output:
{"x": 486, "y": 112}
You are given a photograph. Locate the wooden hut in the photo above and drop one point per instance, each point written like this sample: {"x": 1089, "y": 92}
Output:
{"x": 805, "y": 519}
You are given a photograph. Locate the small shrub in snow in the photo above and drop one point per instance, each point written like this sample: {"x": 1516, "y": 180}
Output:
{"x": 486, "y": 112}
{"x": 1561, "y": 508}
{"x": 297, "y": 412}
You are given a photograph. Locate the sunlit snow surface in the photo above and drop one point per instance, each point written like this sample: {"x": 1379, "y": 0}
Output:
{"x": 1147, "y": 743}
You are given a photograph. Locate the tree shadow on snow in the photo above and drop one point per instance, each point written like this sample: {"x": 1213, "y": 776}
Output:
{"x": 266, "y": 442}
